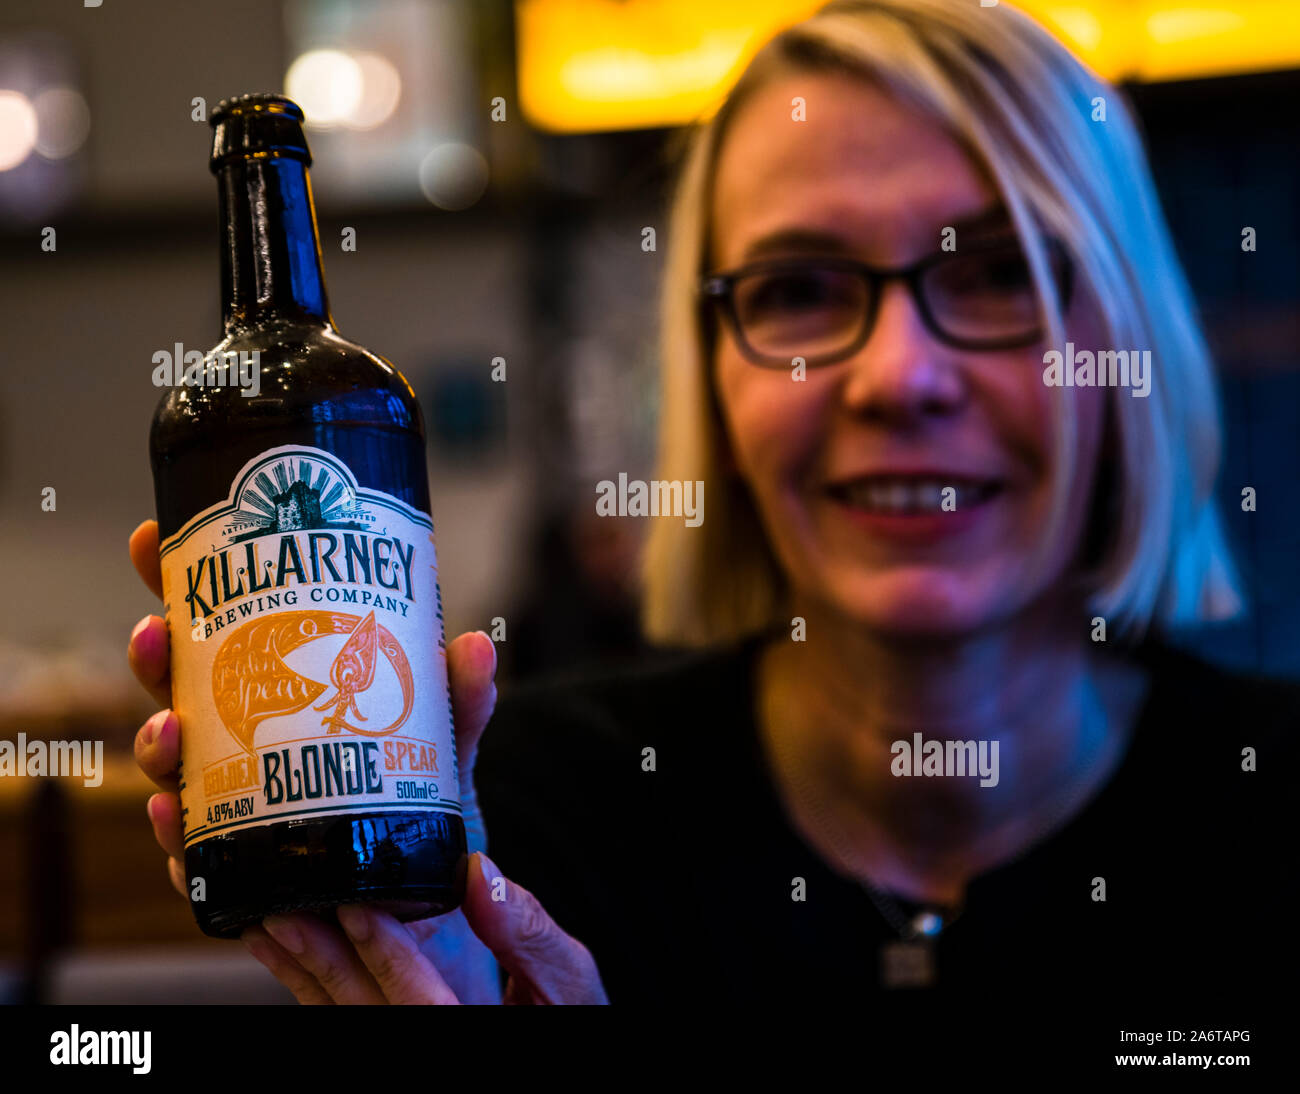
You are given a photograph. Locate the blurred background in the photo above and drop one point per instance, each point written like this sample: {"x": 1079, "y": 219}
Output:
{"x": 498, "y": 162}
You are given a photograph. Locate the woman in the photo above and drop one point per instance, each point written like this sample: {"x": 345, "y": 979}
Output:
{"x": 927, "y": 744}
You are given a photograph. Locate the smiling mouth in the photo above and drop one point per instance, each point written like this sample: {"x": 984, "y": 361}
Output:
{"x": 905, "y": 495}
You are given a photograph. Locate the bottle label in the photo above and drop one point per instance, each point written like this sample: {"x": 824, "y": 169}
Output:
{"x": 308, "y": 666}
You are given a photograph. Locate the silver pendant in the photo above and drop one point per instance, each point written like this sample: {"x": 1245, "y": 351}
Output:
{"x": 907, "y": 964}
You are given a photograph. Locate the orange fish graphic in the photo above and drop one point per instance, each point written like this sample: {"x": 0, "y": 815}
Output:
{"x": 251, "y": 682}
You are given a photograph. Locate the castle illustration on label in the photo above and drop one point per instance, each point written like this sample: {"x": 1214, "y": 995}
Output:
{"x": 294, "y": 502}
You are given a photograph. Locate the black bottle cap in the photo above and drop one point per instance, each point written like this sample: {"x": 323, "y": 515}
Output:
{"x": 253, "y": 126}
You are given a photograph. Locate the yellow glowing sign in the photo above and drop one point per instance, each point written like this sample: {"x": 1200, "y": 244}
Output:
{"x": 604, "y": 64}
{"x": 1167, "y": 40}
{"x": 589, "y": 65}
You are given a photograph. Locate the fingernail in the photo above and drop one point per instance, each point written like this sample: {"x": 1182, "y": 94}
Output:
{"x": 494, "y": 650}
{"x": 148, "y": 806}
{"x": 489, "y": 868}
{"x": 356, "y": 921}
{"x": 139, "y": 627}
{"x": 258, "y": 949}
{"x": 284, "y": 933}
{"x": 166, "y": 721}
{"x": 152, "y": 726}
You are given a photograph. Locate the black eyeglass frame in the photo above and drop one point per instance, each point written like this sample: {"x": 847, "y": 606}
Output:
{"x": 716, "y": 290}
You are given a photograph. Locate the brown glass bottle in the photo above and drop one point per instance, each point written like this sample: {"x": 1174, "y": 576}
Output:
{"x": 318, "y": 760}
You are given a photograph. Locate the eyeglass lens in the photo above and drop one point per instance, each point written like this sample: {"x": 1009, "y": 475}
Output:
{"x": 816, "y": 310}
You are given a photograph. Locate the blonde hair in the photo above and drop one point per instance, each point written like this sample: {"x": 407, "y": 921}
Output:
{"x": 1023, "y": 104}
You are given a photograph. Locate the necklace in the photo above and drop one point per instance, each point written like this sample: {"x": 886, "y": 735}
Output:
{"x": 910, "y": 961}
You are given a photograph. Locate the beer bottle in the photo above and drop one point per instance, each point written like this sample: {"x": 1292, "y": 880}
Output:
{"x": 318, "y": 762}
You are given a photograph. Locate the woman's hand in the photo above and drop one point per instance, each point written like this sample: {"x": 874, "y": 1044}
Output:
{"x": 375, "y": 959}
{"x": 545, "y": 965}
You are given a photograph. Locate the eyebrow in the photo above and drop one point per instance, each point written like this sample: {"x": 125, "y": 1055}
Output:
{"x": 990, "y": 221}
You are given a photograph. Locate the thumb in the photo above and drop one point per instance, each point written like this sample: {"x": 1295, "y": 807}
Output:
{"x": 471, "y": 672}
{"x": 547, "y": 965}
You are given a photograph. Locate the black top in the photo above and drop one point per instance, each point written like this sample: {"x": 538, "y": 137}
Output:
{"x": 680, "y": 880}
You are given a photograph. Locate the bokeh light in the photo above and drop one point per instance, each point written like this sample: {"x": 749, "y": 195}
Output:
{"x": 381, "y": 89}
{"x": 18, "y": 129}
{"x": 63, "y": 122}
{"x": 453, "y": 176}
{"x": 327, "y": 84}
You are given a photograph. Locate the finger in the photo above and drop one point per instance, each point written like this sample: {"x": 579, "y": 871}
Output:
{"x": 149, "y": 655}
{"x": 324, "y": 952}
{"x": 424, "y": 929}
{"x": 393, "y": 957}
{"x": 176, "y": 871}
{"x": 165, "y": 814}
{"x": 460, "y": 957}
{"x": 471, "y": 667}
{"x": 143, "y": 546}
{"x": 158, "y": 750}
{"x": 284, "y": 968}
{"x": 527, "y": 942}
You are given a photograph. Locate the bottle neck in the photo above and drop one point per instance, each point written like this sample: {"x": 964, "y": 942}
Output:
{"x": 270, "y": 250}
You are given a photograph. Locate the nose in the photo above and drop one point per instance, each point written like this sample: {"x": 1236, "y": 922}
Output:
{"x": 902, "y": 372}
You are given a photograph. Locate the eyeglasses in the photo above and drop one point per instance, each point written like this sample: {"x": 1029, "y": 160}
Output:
{"x": 824, "y": 309}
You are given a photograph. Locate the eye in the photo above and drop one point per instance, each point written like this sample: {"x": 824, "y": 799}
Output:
{"x": 782, "y": 292}
{"x": 795, "y": 292}
{"x": 1008, "y": 271}
{"x": 988, "y": 274}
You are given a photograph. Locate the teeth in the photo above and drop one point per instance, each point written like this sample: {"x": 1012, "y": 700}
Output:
{"x": 912, "y": 495}
{"x": 929, "y": 496}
